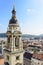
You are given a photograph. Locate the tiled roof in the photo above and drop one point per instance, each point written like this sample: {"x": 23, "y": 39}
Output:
{"x": 1, "y": 60}
{"x": 27, "y": 55}
{"x": 42, "y": 48}
{"x": 1, "y": 57}
{"x": 38, "y": 56}
{"x": 34, "y": 46}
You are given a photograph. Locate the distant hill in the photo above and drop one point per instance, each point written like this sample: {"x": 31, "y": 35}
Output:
{"x": 31, "y": 37}
{"x": 25, "y": 36}
{"x": 2, "y": 35}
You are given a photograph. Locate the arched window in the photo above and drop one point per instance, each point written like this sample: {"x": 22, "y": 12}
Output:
{"x": 8, "y": 39}
{"x": 6, "y": 63}
{"x": 17, "y": 42}
{"x": 17, "y": 57}
{"x": 0, "y": 49}
{"x": 7, "y": 57}
{"x": 18, "y": 64}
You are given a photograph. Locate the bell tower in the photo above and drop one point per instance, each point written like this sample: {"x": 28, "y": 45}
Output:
{"x": 13, "y": 53}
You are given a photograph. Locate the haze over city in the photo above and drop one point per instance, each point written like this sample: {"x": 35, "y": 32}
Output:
{"x": 29, "y": 14}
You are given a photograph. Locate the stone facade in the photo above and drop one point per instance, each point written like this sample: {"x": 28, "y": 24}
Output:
{"x": 13, "y": 53}
{"x": 27, "y": 58}
{"x": 36, "y": 62}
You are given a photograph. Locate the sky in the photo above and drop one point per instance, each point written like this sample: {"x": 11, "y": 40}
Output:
{"x": 29, "y": 15}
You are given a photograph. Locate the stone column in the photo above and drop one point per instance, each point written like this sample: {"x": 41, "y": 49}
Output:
{"x": 21, "y": 44}
{"x": 12, "y": 42}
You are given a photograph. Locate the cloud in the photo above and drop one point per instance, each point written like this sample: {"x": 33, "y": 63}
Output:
{"x": 2, "y": 28}
{"x": 39, "y": 1}
{"x": 28, "y": 10}
{"x": 0, "y": 24}
{"x": 34, "y": 11}
{"x": 31, "y": 10}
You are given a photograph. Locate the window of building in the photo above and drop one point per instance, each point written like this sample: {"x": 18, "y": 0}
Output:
{"x": 41, "y": 63}
{"x": 7, "y": 57}
{"x": 8, "y": 39}
{"x": 17, "y": 42}
{"x": 17, "y": 57}
{"x": 6, "y": 63}
{"x": 3, "y": 42}
{"x": 8, "y": 44}
{"x": 0, "y": 49}
{"x": 38, "y": 62}
{"x": 18, "y": 64}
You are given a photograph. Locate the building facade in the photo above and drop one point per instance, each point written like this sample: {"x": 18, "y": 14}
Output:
{"x": 13, "y": 53}
{"x": 1, "y": 60}
{"x": 1, "y": 48}
{"x": 37, "y": 58}
{"x": 27, "y": 58}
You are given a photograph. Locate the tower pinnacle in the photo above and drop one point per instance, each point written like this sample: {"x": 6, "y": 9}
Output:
{"x": 13, "y": 11}
{"x": 13, "y": 19}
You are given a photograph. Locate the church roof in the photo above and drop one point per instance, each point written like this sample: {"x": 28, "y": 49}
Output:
{"x": 1, "y": 57}
{"x": 38, "y": 56}
{"x": 28, "y": 55}
{"x": 12, "y": 21}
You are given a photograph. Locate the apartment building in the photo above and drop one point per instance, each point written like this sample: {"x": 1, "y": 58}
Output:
{"x": 37, "y": 58}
